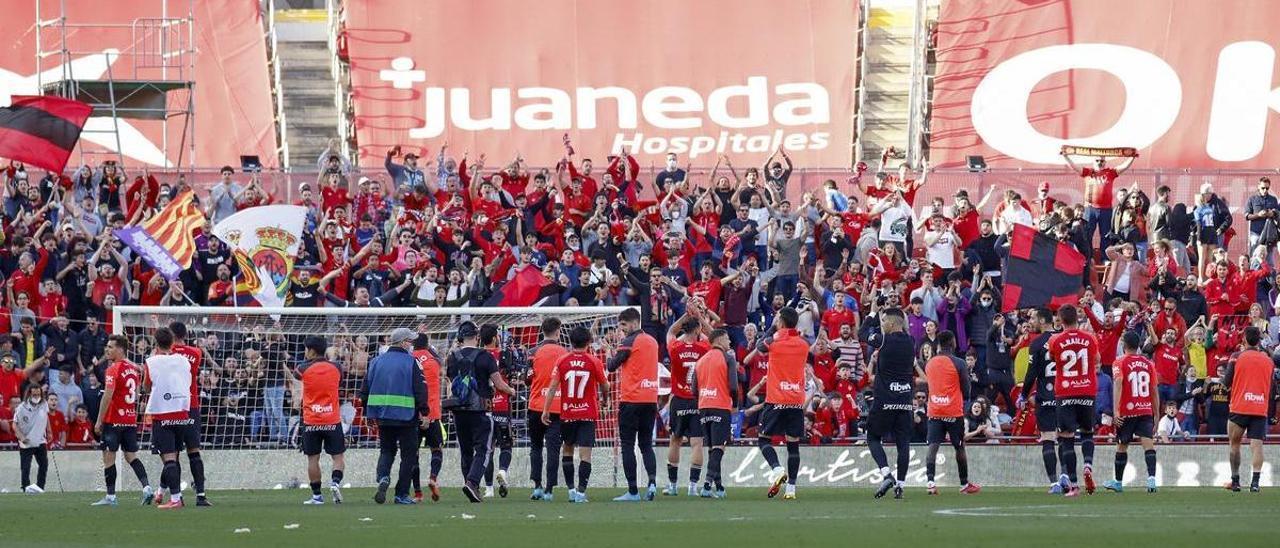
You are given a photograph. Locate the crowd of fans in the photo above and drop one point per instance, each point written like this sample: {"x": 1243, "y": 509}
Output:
{"x": 729, "y": 248}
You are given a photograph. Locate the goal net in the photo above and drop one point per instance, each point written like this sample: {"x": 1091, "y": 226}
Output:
{"x": 248, "y": 401}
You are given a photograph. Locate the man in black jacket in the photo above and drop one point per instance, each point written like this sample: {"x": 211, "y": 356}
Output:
{"x": 478, "y": 368}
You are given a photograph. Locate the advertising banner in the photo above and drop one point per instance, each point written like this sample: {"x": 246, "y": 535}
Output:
{"x": 735, "y": 77}
{"x": 1190, "y": 84}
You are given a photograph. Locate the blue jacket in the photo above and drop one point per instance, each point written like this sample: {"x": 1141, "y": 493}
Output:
{"x": 394, "y": 389}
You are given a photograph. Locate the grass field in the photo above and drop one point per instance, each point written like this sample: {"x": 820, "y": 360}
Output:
{"x": 820, "y": 517}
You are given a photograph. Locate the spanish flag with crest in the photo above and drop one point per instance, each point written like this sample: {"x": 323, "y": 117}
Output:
{"x": 264, "y": 241}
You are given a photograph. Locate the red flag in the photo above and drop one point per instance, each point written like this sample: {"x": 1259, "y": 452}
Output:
{"x": 41, "y": 131}
{"x": 522, "y": 290}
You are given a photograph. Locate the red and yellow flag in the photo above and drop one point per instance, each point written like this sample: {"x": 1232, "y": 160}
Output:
{"x": 167, "y": 241}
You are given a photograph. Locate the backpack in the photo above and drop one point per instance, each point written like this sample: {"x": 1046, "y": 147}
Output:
{"x": 463, "y": 384}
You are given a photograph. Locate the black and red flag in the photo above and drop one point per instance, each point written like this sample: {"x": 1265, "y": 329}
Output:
{"x": 1040, "y": 271}
{"x": 41, "y": 131}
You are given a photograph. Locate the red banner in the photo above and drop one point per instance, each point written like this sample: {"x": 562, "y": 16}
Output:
{"x": 233, "y": 109}
{"x": 1189, "y": 83}
{"x": 738, "y": 77}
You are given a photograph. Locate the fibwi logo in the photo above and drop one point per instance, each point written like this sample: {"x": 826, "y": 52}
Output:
{"x": 790, "y": 386}
{"x": 731, "y": 119}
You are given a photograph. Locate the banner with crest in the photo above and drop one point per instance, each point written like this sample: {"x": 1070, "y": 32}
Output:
{"x": 264, "y": 241}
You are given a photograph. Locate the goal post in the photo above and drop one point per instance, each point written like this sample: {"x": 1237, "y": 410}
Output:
{"x": 249, "y": 402}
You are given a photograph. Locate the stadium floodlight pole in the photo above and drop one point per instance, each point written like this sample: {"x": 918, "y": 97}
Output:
{"x": 118, "y": 312}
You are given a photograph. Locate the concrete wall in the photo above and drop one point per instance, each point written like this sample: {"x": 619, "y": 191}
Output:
{"x": 990, "y": 465}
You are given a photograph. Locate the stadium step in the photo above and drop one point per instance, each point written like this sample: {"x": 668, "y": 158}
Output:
{"x": 886, "y": 105}
{"x": 311, "y": 117}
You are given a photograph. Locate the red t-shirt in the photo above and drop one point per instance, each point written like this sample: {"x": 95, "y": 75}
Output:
{"x": 832, "y": 319}
{"x": 110, "y": 286}
{"x": 10, "y": 383}
{"x": 80, "y": 432}
{"x": 501, "y": 401}
{"x": 57, "y": 427}
{"x": 124, "y": 378}
{"x": 1097, "y": 186}
{"x": 194, "y": 356}
{"x": 1076, "y": 355}
{"x": 967, "y": 228}
{"x": 824, "y": 368}
{"x": 853, "y": 224}
{"x": 1167, "y": 359}
{"x": 708, "y": 291}
{"x": 6, "y": 415}
{"x": 684, "y": 356}
{"x": 1133, "y": 383}
{"x": 332, "y": 198}
{"x": 579, "y": 373}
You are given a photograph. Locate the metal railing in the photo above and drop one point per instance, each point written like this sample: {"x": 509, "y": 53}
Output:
{"x": 860, "y": 88}
{"x": 277, "y": 89}
{"x": 341, "y": 75}
{"x": 919, "y": 84}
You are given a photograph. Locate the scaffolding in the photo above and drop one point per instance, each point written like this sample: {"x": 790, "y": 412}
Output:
{"x": 149, "y": 73}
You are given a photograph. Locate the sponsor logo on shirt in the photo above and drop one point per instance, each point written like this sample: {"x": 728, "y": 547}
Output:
{"x": 899, "y": 386}
{"x": 790, "y": 386}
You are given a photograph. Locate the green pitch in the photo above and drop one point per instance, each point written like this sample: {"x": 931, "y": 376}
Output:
{"x": 820, "y": 517}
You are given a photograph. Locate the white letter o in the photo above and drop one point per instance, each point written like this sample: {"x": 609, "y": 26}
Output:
{"x": 1153, "y": 97}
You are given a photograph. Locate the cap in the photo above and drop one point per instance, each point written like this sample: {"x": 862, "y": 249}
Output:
{"x": 402, "y": 334}
{"x": 468, "y": 330}
{"x": 408, "y": 155}
{"x": 1044, "y": 185}
{"x": 1206, "y": 188}
{"x": 362, "y": 180}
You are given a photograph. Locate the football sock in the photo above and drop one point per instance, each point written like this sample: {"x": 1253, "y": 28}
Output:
{"x": 1151, "y": 462}
{"x": 1048, "y": 451}
{"x": 1122, "y": 460}
{"x": 535, "y": 464}
{"x": 197, "y": 471}
{"x": 566, "y": 465}
{"x": 170, "y": 477}
{"x": 904, "y": 456}
{"x": 713, "y": 466}
{"x": 767, "y": 451}
{"x": 1257, "y": 477}
{"x": 336, "y": 477}
{"x": 629, "y": 469}
{"x": 584, "y": 475}
{"x": 673, "y": 472}
{"x": 504, "y": 459}
{"x": 650, "y": 462}
{"x": 140, "y": 470}
{"x": 1086, "y": 448}
{"x": 1235, "y": 479}
{"x": 962, "y": 465}
{"x": 416, "y": 479}
{"x": 109, "y": 474}
{"x": 488, "y": 474}
{"x": 931, "y": 462}
{"x": 793, "y": 461}
{"x": 553, "y": 475}
{"x": 877, "y": 451}
{"x": 437, "y": 460}
{"x": 315, "y": 488}
{"x": 1067, "y": 454}
{"x": 695, "y": 473}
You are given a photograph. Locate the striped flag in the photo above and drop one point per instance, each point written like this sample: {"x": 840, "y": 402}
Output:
{"x": 41, "y": 131}
{"x": 167, "y": 241}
